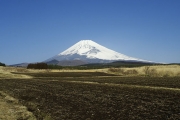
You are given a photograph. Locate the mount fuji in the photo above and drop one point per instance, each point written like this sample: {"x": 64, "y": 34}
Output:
{"x": 88, "y": 51}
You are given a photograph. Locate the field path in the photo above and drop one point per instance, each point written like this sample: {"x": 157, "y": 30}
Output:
{"x": 11, "y": 110}
{"x": 127, "y": 85}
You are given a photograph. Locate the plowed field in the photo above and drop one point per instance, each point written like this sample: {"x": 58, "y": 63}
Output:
{"x": 97, "y": 98}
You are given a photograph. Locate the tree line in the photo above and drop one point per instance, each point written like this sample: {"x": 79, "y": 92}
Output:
{"x": 37, "y": 66}
{"x": 2, "y": 64}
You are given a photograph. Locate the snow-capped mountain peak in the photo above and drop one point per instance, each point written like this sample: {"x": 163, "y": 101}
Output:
{"x": 90, "y": 51}
{"x": 81, "y": 48}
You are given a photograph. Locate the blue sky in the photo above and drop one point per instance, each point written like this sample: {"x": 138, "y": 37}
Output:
{"x": 35, "y": 30}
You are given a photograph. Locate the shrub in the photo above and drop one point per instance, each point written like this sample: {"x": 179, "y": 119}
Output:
{"x": 146, "y": 70}
{"x": 131, "y": 72}
{"x": 116, "y": 70}
{"x": 21, "y": 70}
{"x": 153, "y": 73}
{"x": 168, "y": 74}
{"x": 150, "y": 72}
{"x": 178, "y": 74}
{"x": 123, "y": 72}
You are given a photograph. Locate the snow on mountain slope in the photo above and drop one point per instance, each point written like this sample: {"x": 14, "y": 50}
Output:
{"x": 90, "y": 50}
{"x": 93, "y": 50}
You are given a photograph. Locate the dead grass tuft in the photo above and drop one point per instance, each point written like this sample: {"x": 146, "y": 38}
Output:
{"x": 150, "y": 71}
{"x": 131, "y": 72}
{"x": 12, "y": 110}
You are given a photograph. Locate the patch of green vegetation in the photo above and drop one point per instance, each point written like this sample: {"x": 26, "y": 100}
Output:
{"x": 54, "y": 67}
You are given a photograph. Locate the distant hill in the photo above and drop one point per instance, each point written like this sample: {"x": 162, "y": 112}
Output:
{"x": 20, "y": 65}
{"x": 52, "y": 62}
{"x": 66, "y": 62}
{"x": 117, "y": 64}
{"x": 71, "y": 63}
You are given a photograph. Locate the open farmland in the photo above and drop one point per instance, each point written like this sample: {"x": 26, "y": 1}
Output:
{"x": 96, "y": 96}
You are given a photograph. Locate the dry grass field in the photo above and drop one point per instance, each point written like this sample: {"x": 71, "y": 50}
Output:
{"x": 103, "y": 94}
{"x": 158, "y": 71}
{"x": 6, "y": 72}
{"x": 154, "y": 71}
{"x": 11, "y": 110}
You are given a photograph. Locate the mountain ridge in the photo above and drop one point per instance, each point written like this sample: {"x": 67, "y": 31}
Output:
{"x": 88, "y": 49}
{"x": 91, "y": 52}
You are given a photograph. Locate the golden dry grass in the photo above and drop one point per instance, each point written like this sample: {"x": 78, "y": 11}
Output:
{"x": 11, "y": 110}
{"x": 166, "y": 70}
{"x": 6, "y": 72}
{"x": 159, "y": 70}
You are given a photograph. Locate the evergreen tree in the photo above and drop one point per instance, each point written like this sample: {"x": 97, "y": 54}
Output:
{"x": 2, "y": 64}
{"x": 37, "y": 66}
